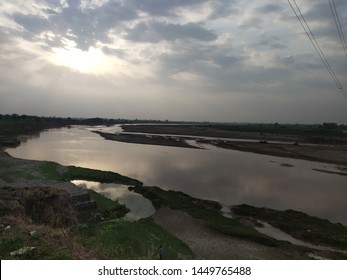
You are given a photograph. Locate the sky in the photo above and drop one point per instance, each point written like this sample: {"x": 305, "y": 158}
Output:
{"x": 193, "y": 60}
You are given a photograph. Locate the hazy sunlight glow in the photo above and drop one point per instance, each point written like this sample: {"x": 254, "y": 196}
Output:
{"x": 91, "y": 61}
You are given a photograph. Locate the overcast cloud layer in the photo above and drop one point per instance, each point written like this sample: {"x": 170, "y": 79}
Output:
{"x": 208, "y": 60}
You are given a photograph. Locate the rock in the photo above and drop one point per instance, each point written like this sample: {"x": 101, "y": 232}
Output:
{"x": 22, "y": 251}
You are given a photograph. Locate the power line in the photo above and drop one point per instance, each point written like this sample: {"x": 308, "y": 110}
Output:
{"x": 315, "y": 44}
{"x": 318, "y": 48}
{"x": 338, "y": 25}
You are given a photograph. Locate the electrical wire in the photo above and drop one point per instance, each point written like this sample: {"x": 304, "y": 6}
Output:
{"x": 315, "y": 44}
{"x": 338, "y": 25}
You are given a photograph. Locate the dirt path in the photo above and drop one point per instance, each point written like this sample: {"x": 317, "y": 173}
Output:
{"x": 207, "y": 244}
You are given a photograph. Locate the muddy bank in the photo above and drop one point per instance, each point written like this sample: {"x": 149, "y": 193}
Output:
{"x": 321, "y": 153}
{"x": 147, "y": 139}
{"x": 300, "y": 133}
{"x": 211, "y": 235}
{"x": 210, "y": 245}
{"x": 289, "y": 148}
{"x": 204, "y": 131}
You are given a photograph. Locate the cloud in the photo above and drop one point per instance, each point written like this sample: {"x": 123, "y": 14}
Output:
{"x": 83, "y": 26}
{"x": 270, "y": 41}
{"x": 155, "y": 31}
{"x": 270, "y": 8}
{"x": 252, "y": 23}
{"x": 211, "y": 59}
{"x": 31, "y": 23}
{"x": 320, "y": 10}
{"x": 115, "y": 52}
{"x": 164, "y": 8}
{"x": 220, "y": 9}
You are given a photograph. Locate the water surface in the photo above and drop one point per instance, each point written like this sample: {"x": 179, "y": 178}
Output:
{"x": 139, "y": 207}
{"x": 230, "y": 177}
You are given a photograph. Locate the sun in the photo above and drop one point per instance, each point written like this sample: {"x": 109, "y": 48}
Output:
{"x": 92, "y": 61}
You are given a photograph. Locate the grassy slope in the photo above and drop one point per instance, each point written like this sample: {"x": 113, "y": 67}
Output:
{"x": 100, "y": 234}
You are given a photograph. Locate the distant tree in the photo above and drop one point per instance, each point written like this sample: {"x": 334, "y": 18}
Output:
{"x": 330, "y": 125}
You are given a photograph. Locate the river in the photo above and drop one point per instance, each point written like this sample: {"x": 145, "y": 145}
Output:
{"x": 227, "y": 176}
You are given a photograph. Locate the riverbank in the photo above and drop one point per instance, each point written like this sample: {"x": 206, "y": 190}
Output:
{"x": 334, "y": 154}
{"x": 147, "y": 139}
{"x": 35, "y": 196}
{"x": 40, "y": 209}
{"x": 184, "y": 225}
{"x": 316, "y": 134}
{"x": 212, "y": 235}
{"x": 328, "y": 149}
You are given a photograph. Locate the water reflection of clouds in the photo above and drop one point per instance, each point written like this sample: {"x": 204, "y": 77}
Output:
{"x": 139, "y": 206}
{"x": 253, "y": 180}
{"x": 230, "y": 177}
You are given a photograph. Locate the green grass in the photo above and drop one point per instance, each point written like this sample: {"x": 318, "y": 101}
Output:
{"x": 119, "y": 239}
{"x": 107, "y": 209}
{"x": 299, "y": 225}
{"x": 8, "y": 171}
{"x": 136, "y": 240}
{"x": 114, "y": 239}
{"x": 10, "y": 244}
{"x": 102, "y": 202}
{"x": 208, "y": 211}
{"x": 79, "y": 173}
{"x": 49, "y": 171}
{"x": 16, "y": 239}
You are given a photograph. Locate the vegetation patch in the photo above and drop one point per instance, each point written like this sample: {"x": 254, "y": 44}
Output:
{"x": 320, "y": 133}
{"x": 299, "y": 225}
{"x": 49, "y": 206}
{"x": 208, "y": 211}
{"x": 63, "y": 232}
{"x": 79, "y": 173}
{"x": 117, "y": 239}
{"x": 135, "y": 240}
{"x": 107, "y": 209}
{"x": 50, "y": 171}
{"x": 327, "y": 132}
{"x": 24, "y": 240}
